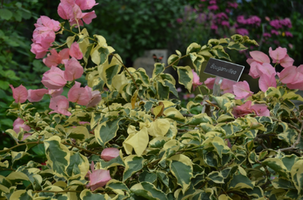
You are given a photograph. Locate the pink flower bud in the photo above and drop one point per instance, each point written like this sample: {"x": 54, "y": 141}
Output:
{"x": 110, "y": 153}
{"x": 196, "y": 80}
{"x": 19, "y": 93}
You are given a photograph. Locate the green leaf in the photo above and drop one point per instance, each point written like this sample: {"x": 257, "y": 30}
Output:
{"x": 5, "y": 14}
{"x": 117, "y": 186}
{"x": 21, "y": 194}
{"x": 158, "y": 68}
{"x": 133, "y": 164}
{"x": 297, "y": 175}
{"x": 185, "y": 77}
{"x": 106, "y": 131}
{"x": 215, "y": 177}
{"x": 78, "y": 165}
{"x": 58, "y": 156}
{"x": 88, "y": 195}
{"x": 148, "y": 191}
{"x": 181, "y": 167}
{"x": 240, "y": 182}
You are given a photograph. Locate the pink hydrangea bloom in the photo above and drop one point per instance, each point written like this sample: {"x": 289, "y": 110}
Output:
{"x": 97, "y": 178}
{"x": 196, "y": 80}
{"x": 79, "y": 94}
{"x": 59, "y": 104}
{"x": 18, "y": 124}
{"x": 73, "y": 69}
{"x": 54, "y": 78}
{"x": 36, "y": 95}
{"x": 109, "y": 153}
{"x": 19, "y": 93}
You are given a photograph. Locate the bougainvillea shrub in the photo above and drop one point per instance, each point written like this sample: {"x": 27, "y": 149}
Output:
{"x": 125, "y": 135}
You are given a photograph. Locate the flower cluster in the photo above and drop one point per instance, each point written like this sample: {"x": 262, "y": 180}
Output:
{"x": 55, "y": 78}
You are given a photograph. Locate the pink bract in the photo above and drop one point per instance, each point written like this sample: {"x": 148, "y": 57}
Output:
{"x": 19, "y": 93}
{"x": 97, "y": 178}
{"x": 53, "y": 59}
{"x": 86, "y": 4}
{"x": 266, "y": 81}
{"x": 59, "y": 104}
{"x": 49, "y": 23}
{"x": 73, "y": 69}
{"x": 95, "y": 99}
{"x": 75, "y": 51}
{"x": 209, "y": 82}
{"x": 109, "y": 153}
{"x": 54, "y": 78}
{"x": 242, "y": 90}
{"x": 18, "y": 124}
{"x": 259, "y": 57}
{"x": 79, "y": 94}
{"x": 196, "y": 80}
{"x": 36, "y": 95}
{"x": 278, "y": 54}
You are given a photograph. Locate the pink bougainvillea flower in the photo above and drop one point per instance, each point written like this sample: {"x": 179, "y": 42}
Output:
{"x": 259, "y": 57}
{"x": 241, "y": 90}
{"x": 266, "y": 81}
{"x": 248, "y": 108}
{"x": 278, "y": 54}
{"x": 72, "y": 11}
{"x": 79, "y": 94}
{"x": 109, "y": 153}
{"x": 88, "y": 17}
{"x": 227, "y": 86}
{"x": 19, "y": 93}
{"x": 36, "y": 95}
{"x": 292, "y": 77}
{"x": 265, "y": 68}
{"x": 18, "y": 124}
{"x": 196, "y": 80}
{"x": 49, "y": 23}
{"x": 288, "y": 75}
{"x": 95, "y": 97}
{"x": 97, "y": 178}
{"x": 73, "y": 69}
{"x": 75, "y": 51}
{"x": 39, "y": 50}
{"x": 287, "y": 61}
{"x": 59, "y": 104}
{"x": 260, "y": 110}
{"x": 55, "y": 92}
{"x": 54, "y": 78}
{"x": 86, "y": 4}
{"x": 242, "y": 110}
{"x": 54, "y": 58}
{"x": 253, "y": 71}
{"x": 209, "y": 82}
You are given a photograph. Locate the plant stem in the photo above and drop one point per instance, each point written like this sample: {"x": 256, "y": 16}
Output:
{"x": 18, "y": 145}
